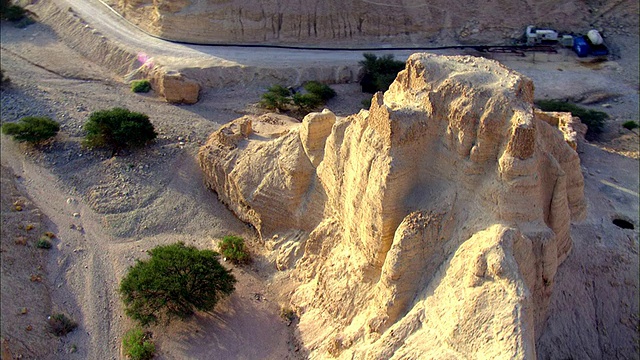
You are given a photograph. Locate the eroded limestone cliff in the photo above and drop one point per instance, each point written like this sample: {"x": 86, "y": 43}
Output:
{"x": 432, "y": 224}
{"x": 354, "y": 22}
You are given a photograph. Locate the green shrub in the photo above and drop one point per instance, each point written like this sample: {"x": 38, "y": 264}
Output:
{"x": 280, "y": 98}
{"x": 323, "y": 91}
{"x": 379, "y": 73}
{"x": 61, "y": 325}
{"x": 140, "y": 86}
{"x": 234, "y": 250}
{"x": 118, "y": 128}
{"x": 32, "y": 129}
{"x": 137, "y": 345}
{"x": 277, "y": 97}
{"x": 174, "y": 282}
{"x": 12, "y": 12}
{"x": 43, "y": 243}
{"x": 592, "y": 118}
{"x": 630, "y": 125}
{"x": 307, "y": 102}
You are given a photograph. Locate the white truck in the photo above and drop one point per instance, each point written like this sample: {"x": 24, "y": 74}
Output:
{"x": 537, "y": 36}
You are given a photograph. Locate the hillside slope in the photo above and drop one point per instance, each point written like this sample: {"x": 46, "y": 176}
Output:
{"x": 354, "y": 22}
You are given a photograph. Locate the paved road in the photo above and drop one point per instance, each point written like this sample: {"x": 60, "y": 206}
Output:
{"x": 105, "y": 20}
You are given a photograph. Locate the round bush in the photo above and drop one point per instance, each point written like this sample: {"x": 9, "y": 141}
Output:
{"x": 174, "y": 282}
{"x": 137, "y": 345}
{"x": 32, "y": 129}
{"x": 234, "y": 250}
{"x": 323, "y": 91}
{"x": 12, "y": 12}
{"x": 118, "y": 128}
{"x": 140, "y": 86}
{"x": 43, "y": 243}
{"x": 61, "y": 325}
{"x": 307, "y": 102}
{"x": 277, "y": 97}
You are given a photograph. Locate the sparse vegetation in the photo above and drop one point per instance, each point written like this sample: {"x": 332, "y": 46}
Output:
{"x": 234, "y": 250}
{"x": 379, "y": 73}
{"x": 277, "y": 98}
{"x": 630, "y": 125}
{"x": 43, "y": 243}
{"x": 32, "y": 129}
{"x": 306, "y": 102}
{"x": 280, "y": 98}
{"x": 140, "y": 86}
{"x": 592, "y": 118}
{"x": 137, "y": 345}
{"x": 118, "y": 128}
{"x": 11, "y": 12}
{"x": 15, "y": 14}
{"x": 323, "y": 91}
{"x": 287, "y": 314}
{"x": 174, "y": 282}
{"x": 61, "y": 325}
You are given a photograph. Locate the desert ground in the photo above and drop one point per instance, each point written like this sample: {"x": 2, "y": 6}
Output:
{"x": 106, "y": 211}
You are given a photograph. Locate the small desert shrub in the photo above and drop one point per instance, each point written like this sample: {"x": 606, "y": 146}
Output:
{"x": 140, "y": 86}
{"x": 43, "y": 243}
{"x": 280, "y": 98}
{"x": 277, "y": 97}
{"x": 61, "y": 325}
{"x": 323, "y": 91}
{"x": 137, "y": 345}
{"x": 12, "y": 13}
{"x": 379, "y": 73}
{"x": 175, "y": 281}
{"x": 307, "y": 102}
{"x": 592, "y": 118}
{"x": 630, "y": 125}
{"x": 287, "y": 314}
{"x": 234, "y": 250}
{"x": 32, "y": 129}
{"x": 118, "y": 128}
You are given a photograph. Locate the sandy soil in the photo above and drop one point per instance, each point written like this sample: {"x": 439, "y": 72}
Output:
{"x": 106, "y": 211}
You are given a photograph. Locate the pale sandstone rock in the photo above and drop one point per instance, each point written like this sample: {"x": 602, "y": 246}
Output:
{"x": 313, "y": 134}
{"x": 175, "y": 87}
{"x": 433, "y": 223}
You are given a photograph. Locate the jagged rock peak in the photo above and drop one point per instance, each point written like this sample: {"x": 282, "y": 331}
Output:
{"x": 434, "y": 222}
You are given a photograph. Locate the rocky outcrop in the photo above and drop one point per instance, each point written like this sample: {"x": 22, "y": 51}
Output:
{"x": 175, "y": 87}
{"x": 355, "y": 22}
{"x": 433, "y": 223}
